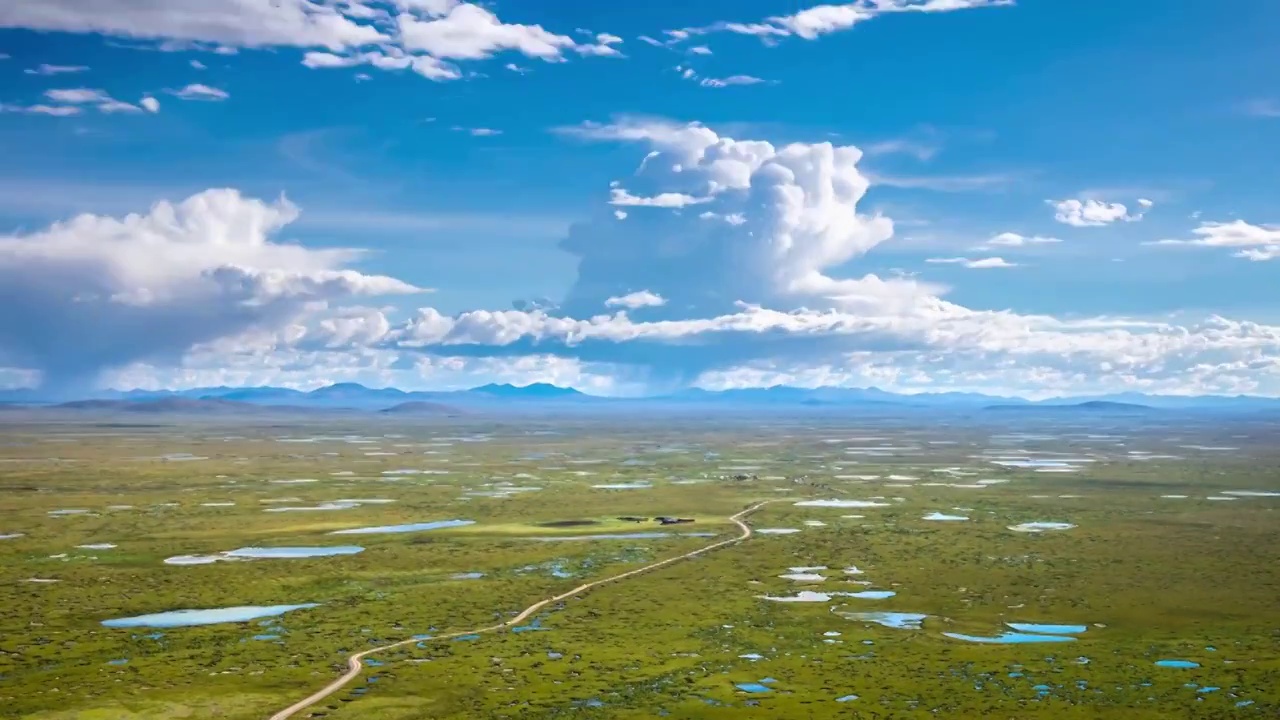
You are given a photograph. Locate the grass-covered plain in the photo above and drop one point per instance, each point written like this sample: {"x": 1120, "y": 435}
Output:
{"x": 1153, "y": 567}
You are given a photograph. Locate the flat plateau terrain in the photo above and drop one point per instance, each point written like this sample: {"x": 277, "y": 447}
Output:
{"x": 990, "y": 567}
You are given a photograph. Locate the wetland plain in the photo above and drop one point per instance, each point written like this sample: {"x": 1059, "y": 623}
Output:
{"x": 904, "y": 567}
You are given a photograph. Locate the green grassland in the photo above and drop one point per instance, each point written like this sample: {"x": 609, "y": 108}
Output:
{"x": 1151, "y": 577}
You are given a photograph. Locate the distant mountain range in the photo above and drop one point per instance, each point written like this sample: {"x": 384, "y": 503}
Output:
{"x": 348, "y": 396}
{"x": 178, "y": 406}
{"x": 353, "y": 396}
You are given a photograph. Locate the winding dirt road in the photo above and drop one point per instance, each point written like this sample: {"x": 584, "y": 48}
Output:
{"x": 355, "y": 664}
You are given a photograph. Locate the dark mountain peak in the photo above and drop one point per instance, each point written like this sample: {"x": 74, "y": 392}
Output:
{"x": 92, "y": 404}
{"x": 252, "y": 394}
{"x": 536, "y": 390}
{"x": 1111, "y": 405}
{"x": 346, "y": 387}
{"x": 355, "y": 390}
{"x": 1088, "y": 406}
{"x": 421, "y": 407}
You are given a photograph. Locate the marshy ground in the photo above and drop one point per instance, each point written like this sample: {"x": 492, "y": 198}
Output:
{"x": 954, "y": 569}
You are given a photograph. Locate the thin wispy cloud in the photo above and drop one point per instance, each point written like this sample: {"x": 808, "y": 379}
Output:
{"x": 41, "y": 109}
{"x": 730, "y": 81}
{"x": 200, "y": 91}
{"x": 946, "y": 183}
{"x": 44, "y": 69}
{"x": 919, "y": 150}
{"x": 986, "y": 263}
{"x": 477, "y": 131}
{"x": 814, "y": 22}
{"x": 1261, "y": 108}
{"x": 1013, "y": 240}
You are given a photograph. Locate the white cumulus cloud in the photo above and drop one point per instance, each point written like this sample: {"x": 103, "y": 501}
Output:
{"x": 470, "y": 32}
{"x": 77, "y": 95}
{"x": 730, "y": 81}
{"x": 96, "y": 292}
{"x": 814, "y": 22}
{"x": 238, "y": 23}
{"x": 760, "y": 293}
{"x": 638, "y": 299}
{"x": 688, "y": 73}
{"x": 390, "y": 59}
{"x": 619, "y": 196}
{"x": 427, "y": 37}
{"x": 1091, "y": 212}
{"x": 773, "y": 295}
{"x": 603, "y": 46}
{"x": 69, "y": 98}
{"x": 200, "y": 91}
{"x": 1252, "y": 242}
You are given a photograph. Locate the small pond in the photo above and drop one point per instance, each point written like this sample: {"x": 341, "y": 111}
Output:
{"x": 189, "y": 618}
{"x": 1178, "y": 664}
{"x": 406, "y": 528}
{"x": 274, "y": 553}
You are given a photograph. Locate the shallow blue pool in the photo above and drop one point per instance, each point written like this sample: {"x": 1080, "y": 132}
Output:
{"x": 1179, "y": 664}
{"x": 1050, "y": 629}
{"x": 275, "y": 553}
{"x": 410, "y": 527}
{"x": 188, "y": 618}
{"x": 1011, "y": 638}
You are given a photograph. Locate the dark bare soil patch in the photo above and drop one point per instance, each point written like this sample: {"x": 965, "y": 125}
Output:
{"x": 568, "y": 523}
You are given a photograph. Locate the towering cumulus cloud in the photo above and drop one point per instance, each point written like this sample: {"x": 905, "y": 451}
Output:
{"x": 97, "y": 292}
{"x": 749, "y": 247}
{"x": 765, "y": 225}
{"x": 741, "y": 269}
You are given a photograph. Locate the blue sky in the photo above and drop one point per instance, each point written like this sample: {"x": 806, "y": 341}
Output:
{"x": 975, "y": 118}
